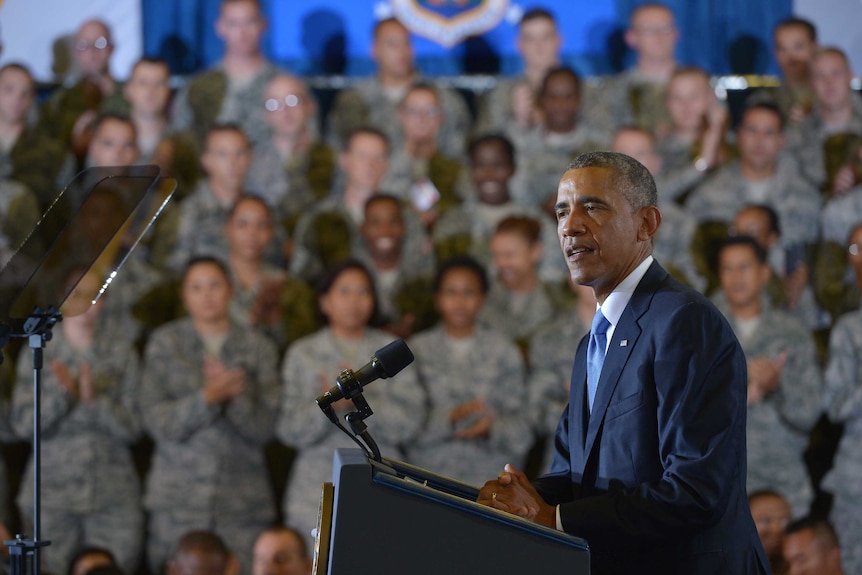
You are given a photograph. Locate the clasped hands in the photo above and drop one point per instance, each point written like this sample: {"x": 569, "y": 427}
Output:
{"x": 513, "y": 493}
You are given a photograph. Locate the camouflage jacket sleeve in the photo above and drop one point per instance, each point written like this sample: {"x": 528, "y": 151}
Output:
{"x": 171, "y": 395}
{"x": 22, "y": 216}
{"x": 298, "y": 310}
{"x": 252, "y": 413}
{"x": 300, "y": 423}
{"x": 799, "y": 396}
{"x": 56, "y": 403}
{"x": 115, "y": 411}
{"x": 843, "y": 398}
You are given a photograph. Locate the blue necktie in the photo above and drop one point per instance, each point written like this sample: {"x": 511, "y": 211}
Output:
{"x": 596, "y": 354}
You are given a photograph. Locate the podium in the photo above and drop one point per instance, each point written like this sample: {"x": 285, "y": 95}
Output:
{"x": 392, "y": 518}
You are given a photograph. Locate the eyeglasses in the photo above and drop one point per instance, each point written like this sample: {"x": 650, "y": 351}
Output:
{"x": 854, "y": 249}
{"x": 278, "y": 104}
{"x": 99, "y": 44}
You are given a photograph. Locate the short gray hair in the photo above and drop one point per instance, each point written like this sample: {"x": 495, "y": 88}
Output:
{"x": 635, "y": 182}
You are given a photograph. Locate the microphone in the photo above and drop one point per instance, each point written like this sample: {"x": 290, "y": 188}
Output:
{"x": 386, "y": 362}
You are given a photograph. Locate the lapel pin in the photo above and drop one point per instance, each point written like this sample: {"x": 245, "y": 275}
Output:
{"x": 624, "y": 343}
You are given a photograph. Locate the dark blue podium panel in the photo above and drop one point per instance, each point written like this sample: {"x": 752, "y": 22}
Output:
{"x": 393, "y": 518}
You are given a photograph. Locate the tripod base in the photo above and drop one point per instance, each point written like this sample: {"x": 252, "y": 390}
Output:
{"x": 22, "y": 555}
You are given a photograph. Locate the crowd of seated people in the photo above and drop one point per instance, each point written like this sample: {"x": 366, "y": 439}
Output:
{"x": 298, "y": 243}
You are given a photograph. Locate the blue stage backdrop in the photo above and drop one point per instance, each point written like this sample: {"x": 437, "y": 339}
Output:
{"x": 333, "y": 36}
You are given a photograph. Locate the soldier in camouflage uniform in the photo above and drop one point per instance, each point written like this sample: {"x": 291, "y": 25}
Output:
{"x": 518, "y": 303}
{"x": 226, "y": 160}
{"x": 230, "y": 92}
{"x": 760, "y": 176}
{"x": 265, "y": 296}
{"x": 511, "y": 105}
{"x": 693, "y": 141}
{"x": 64, "y": 117}
{"x": 291, "y": 169}
{"x": 789, "y": 286}
{"x": 404, "y": 305}
{"x": 90, "y": 490}
{"x": 636, "y": 97}
{"x": 794, "y": 44}
{"x": 467, "y": 229}
{"x": 544, "y": 152}
{"x": 784, "y": 379}
{"x": 328, "y": 232}
{"x": 146, "y": 94}
{"x": 823, "y": 143}
{"x": 346, "y": 299}
{"x": 374, "y": 102}
{"x": 209, "y": 396}
{"x": 419, "y": 171}
{"x": 551, "y": 357}
{"x": 672, "y": 243}
{"x": 842, "y": 401}
{"x": 476, "y": 420}
{"x": 27, "y": 154}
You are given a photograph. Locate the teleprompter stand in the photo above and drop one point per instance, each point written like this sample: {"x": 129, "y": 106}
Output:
{"x": 91, "y": 227}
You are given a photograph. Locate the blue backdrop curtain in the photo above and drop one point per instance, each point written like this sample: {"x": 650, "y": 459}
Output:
{"x": 721, "y": 36}
{"x": 182, "y": 32}
{"x": 724, "y": 36}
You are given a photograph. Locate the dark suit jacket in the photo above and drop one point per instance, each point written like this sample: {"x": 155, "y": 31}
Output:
{"x": 654, "y": 479}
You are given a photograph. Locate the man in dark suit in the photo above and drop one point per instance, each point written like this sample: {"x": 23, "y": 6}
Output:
{"x": 649, "y": 463}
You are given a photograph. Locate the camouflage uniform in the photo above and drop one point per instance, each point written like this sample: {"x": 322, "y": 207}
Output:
{"x": 291, "y": 185}
{"x": 19, "y": 214}
{"x": 627, "y": 99}
{"x": 445, "y": 173}
{"x": 677, "y": 176}
{"x": 552, "y": 357}
{"x": 296, "y": 304}
{"x": 807, "y": 143}
{"x": 840, "y": 215}
{"x": 672, "y": 244}
{"x": 468, "y": 228}
{"x": 542, "y": 159}
{"x": 201, "y": 227}
{"x": 58, "y": 115}
{"x": 211, "y": 98}
{"x": 90, "y": 490}
{"x": 404, "y": 290}
{"x": 452, "y": 379}
{"x": 311, "y": 363}
{"x": 40, "y": 163}
{"x": 778, "y": 426}
{"x": 833, "y": 283}
{"x": 843, "y": 400}
{"x": 785, "y": 97}
{"x": 368, "y": 104}
{"x": 519, "y": 316}
{"x": 208, "y": 469}
{"x": 495, "y": 112}
{"x": 795, "y": 201}
{"x": 328, "y": 233}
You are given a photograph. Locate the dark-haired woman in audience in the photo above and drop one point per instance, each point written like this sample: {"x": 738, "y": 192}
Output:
{"x": 89, "y": 489}
{"x": 208, "y": 398}
{"x": 474, "y": 377}
{"x": 348, "y": 303}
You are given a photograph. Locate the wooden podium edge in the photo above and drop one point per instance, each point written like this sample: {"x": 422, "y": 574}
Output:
{"x": 324, "y": 530}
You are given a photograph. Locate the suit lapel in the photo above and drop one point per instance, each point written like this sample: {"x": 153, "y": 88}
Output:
{"x": 628, "y": 331}
{"x": 578, "y": 404}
